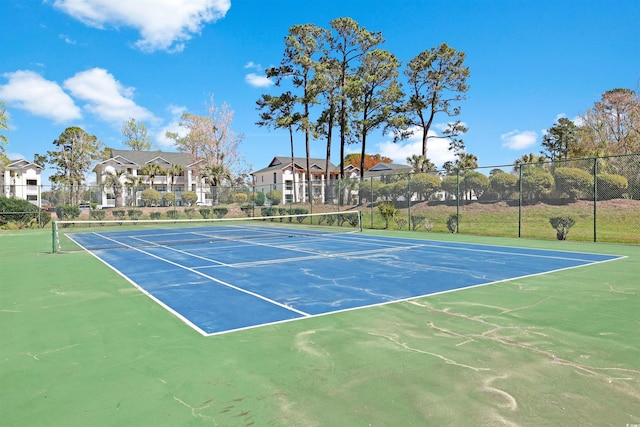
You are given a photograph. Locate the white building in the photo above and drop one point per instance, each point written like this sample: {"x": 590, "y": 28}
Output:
{"x": 134, "y": 180}
{"x": 21, "y": 179}
{"x": 290, "y": 178}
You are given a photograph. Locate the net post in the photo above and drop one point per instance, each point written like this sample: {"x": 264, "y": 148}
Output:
{"x": 54, "y": 237}
{"x": 360, "y": 220}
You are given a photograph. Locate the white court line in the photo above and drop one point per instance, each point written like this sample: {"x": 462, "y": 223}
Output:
{"x": 453, "y": 247}
{"x": 229, "y": 285}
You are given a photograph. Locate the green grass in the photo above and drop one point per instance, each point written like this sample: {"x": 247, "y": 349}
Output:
{"x": 79, "y": 346}
{"x": 618, "y": 221}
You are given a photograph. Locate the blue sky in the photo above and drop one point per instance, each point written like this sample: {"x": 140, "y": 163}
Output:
{"x": 96, "y": 63}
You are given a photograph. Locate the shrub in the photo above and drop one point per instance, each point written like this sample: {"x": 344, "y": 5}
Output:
{"x": 189, "y": 198}
{"x": 240, "y": 198}
{"x": 247, "y": 209}
{"x": 574, "y": 182}
{"x": 134, "y": 214}
{"x": 150, "y": 197}
{"x": 274, "y": 196}
{"x": 425, "y": 184}
{"x": 118, "y": 214}
{"x": 190, "y": 212}
{"x": 388, "y": 212}
{"x": 562, "y": 225}
{"x": 173, "y": 214}
{"x": 220, "y": 212}
{"x": 474, "y": 183}
{"x": 503, "y": 185}
{"x": 67, "y": 212}
{"x": 25, "y": 214}
{"x": 400, "y": 222}
{"x": 98, "y": 215}
{"x": 168, "y": 199}
{"x": 155, "y": 215}
{"x": 611, "y": 186}
{"x": 259, "y": 198}
{"x": 452, "y": 223}
{"x": 204, "y": 212}
{"x": 536, "y": 183}
{"x": 420, "y": 220}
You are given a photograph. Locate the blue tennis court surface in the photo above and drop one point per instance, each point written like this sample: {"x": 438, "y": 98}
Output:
{"x": 218, "y": 281}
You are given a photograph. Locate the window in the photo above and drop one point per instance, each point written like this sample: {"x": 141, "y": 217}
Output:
{"x": 275, "y": 177}
{"x": 32, "y": 197}
{"x": 289, "y": 185}
{"x": 32, "y": 182}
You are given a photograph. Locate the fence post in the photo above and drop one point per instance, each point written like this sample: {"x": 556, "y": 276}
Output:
{"x": 595, "y": 199}
{"x": 457, "y": 201}
{"x": 520, "y": 201}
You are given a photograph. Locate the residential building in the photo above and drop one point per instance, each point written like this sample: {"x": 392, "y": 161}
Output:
{"x": 135, "y": 177}
{"x": 21, "y": 179}
{"x": 290, "y": 178}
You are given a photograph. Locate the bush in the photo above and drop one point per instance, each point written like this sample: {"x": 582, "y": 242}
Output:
{"x": 425, "y": 184}
{"x": 25, "y": 214}
{"x": 189, "y": 198}
{"x": 452, "y": 223}
{"x": 536, "y": 183}
{"x": 388, "y": 211}
{"x": 259, "y": 198}
{"x": 150, "y": 197}
{"x": 220, "y": 212}
{"x": 419, "y": 220}
{"x": 504, "y": 185}
{"x": 204, "y": 212}
{"x": 247, "y": 209}
{"x": 562, "y": 226}
{"x": 134, "y": 214}
{"x": 98, "y": 215}
{"x": 190, "y": 212}
{"x": 274, "y": 196}
{"x": 400, "y": 222}
{"x": 475, "y": 184}
{"x": 155, "y": 215}
{"x": 611, "y": 186}
{"x": 240, "y": 198}
{"x": 173, "y": 214}
{"x": 66, "y": 213}
{"x": 168, "y": 199}
{"x": 118, "y": 214}
{"x": 574, "y": 182}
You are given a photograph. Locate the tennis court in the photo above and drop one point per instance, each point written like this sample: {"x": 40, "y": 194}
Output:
{"x": 545, "y": 333}
{"x": 232, "y": 277}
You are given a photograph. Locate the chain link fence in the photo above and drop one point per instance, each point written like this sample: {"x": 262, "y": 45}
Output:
{"x": 591, "y": 199}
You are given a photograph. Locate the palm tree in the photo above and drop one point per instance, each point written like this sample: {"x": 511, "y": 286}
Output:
{"x": 152, "y": 170}
{"x": 214, "y": 175}
{"x": 113, "y": 181}
{"x": 173, "y": 171}
{"x": 132, "y": 183}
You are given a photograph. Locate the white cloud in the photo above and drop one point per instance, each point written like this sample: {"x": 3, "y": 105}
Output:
{"x": 437, "y": 149}
{"x": 30, "y": 91}
{"x": 516, "y": 140}
{"x": 258, "y": 81}
{"x": 106, "y": 97}
{"x": 173, "y": 126}
{"x": 162, "y": 24}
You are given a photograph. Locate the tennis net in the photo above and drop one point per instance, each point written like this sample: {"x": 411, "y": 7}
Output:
{"x": 68, "y": 236}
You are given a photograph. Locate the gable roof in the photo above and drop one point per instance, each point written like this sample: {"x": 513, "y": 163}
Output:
{"x": 387, "y": 169}
{"x": 279, "y": 163}
{"x": 22, "y": 164}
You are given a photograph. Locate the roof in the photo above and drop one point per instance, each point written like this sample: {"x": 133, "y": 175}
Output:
{"x": 282, "y": 162}
{"x": 387, "y": 169}
{"x": 141, "y": 158}
{"x": 21, "y": 164}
